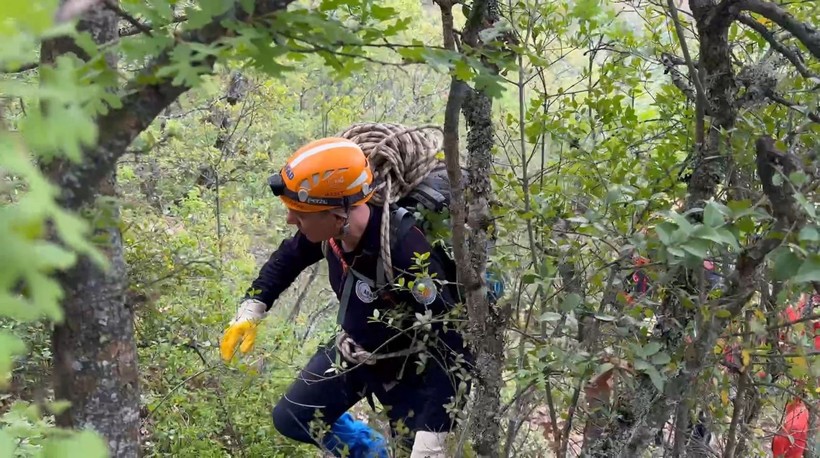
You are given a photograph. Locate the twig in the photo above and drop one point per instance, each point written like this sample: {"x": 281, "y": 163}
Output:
{"x": 175, "y": 388}
{"x": 737, "y": 411}
{"x": 128, "y": 18}
{"x": 700, "y": 93}
{"x": 179, "y": 270}
{"x": 570, "y": 415}
{"x": 142, "y": 26}
{"x": 814, "y": 117}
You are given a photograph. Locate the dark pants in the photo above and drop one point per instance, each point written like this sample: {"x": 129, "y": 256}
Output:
{"x": 417, "y": 400}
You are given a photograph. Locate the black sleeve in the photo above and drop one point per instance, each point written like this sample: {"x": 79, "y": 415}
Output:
{"x": 285, "y": 264}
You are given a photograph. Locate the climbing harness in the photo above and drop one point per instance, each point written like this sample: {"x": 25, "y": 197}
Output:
{"x": 356, "y": 354}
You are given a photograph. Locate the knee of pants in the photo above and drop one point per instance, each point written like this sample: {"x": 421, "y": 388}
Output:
{"x": 287, "y": 421}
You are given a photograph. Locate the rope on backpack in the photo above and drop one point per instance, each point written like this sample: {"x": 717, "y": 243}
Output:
{"x": 401, "y": 157}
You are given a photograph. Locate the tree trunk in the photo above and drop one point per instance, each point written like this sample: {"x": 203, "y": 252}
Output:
{"x": 471, "y": 221}
{"x": 95, "y": 356}
{"x": 487, "y": 323}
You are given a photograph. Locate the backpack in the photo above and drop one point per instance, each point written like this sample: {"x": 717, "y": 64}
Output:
{"x": 427, "y": 206}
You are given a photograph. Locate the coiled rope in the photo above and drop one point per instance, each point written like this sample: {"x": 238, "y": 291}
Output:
{"x": 401, "y": 157}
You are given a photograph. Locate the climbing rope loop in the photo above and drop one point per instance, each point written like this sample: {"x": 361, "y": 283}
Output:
{"x": 401, "y": 157}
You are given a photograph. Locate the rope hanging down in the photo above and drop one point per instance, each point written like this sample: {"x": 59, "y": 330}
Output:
{"x": 401, "y": 157}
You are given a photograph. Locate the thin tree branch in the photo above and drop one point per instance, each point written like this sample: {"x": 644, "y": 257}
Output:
{"x": 677, "y": 76}
{"x": 814, "y": 117}
{"x": 737, "y": 413}
{"x": 808, "y": 35}
{"x": 134, "y": 29}
{"x": 128, "y": 18}
{"x": 792, "y": 55}
{"x": 700, "y": 93}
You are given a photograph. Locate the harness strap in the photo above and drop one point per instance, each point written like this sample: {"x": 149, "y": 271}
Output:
{"x": 347, "y": 288}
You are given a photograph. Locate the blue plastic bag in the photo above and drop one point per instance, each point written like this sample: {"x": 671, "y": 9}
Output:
{"x": 361, "y": 440}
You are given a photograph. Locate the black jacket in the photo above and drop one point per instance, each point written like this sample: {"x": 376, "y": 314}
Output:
{"x": 297, "y": 253}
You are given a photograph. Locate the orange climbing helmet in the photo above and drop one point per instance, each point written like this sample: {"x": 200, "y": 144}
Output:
{"x": 324, "y": 174}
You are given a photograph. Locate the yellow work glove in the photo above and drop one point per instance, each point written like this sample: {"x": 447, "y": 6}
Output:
{"x": 242, "y": 328}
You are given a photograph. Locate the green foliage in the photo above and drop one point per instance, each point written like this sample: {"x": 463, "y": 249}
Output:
{"x": 593, "y": 137}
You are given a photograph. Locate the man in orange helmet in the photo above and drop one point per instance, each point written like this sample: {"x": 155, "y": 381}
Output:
{"x": 326, "y": 186}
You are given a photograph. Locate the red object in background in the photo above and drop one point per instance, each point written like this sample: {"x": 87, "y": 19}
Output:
{"x": 795, "y": 313}
{"x": 790, "y": 441}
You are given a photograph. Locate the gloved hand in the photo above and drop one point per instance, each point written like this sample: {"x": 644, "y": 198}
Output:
{"x": 242, "y": 328}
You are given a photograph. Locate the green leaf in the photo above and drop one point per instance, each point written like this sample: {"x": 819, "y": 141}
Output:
{"x": 808, "y": 207}
{"x": 665, "y": 231}
{"x": 809, "y": 234}
{"x": 696, "y": 247}
{"x": 586, "y": 9}
{"x": 712, "y": 215}
{"x": 684, "y": 226}
{"x": 656, "y": 377}
{"x": 10, "y": 346}
{"x": 462, "y": 70}
{"x": 786, "y": 264}
{"x": 675, "y": 251}
{"x": 207, "y": 11}
{"x": 571, "y": 302}
{"x": 726, "y": 237}
{"x": 85, "y": 443}
{"x": 650, "y": 349}
{"x": 661, "y": 358}
{"x": 382, "y": 13}
{"x": 490, "y": 84}
{"x": 605, "y": 318}
{"x": 59, "y": 406}
{"x": 721, "y": 236}
{"x": 528, "y": 278}
{"x": 798, "y": 178}
{"x": 7, "y": 444}
{"x": 809, "y": 271}
{"x": 603, "y": 368}
{"x": 641, "y": 365}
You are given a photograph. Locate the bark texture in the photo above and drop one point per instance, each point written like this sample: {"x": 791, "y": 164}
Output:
{"x": 487, "y": 323}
